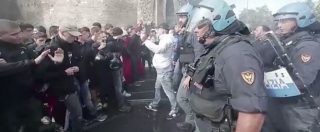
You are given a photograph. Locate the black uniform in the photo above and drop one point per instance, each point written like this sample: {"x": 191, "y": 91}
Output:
{"x": 83, "y": 56}
{"x": 296, "y": 114}
{"x": 16, "y": 79}
{"x": 231, "y": 74}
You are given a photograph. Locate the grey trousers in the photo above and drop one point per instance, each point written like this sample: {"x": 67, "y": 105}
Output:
{"x": 204, "y": 125}
{"x": 117, "y": 81}
{"x": 184, "y": 101}
{"x": 164, "y": 80}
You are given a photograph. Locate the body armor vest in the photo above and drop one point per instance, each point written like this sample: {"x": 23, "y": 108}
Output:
{"x": 186, "y": 50}
{"x": 209, "y": 102}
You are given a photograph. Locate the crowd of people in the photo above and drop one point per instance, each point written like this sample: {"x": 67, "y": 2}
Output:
{"x": 68, "y": 74}
{"x": 209, "y": 65}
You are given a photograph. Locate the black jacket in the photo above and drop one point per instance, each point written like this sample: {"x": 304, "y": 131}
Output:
{"x": 16, "y": 75}
{"x": 134, "y": 47}
{"x": 83, "y": 57}
{"x": 100, "y": 75}
{"x": 38, "y": 49}
{"x": 60, "y": 84}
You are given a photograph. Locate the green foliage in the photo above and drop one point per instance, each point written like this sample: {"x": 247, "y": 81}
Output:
{"x": 317, "y": 10}
{"x": 260, "y": 16}
{"x": 315, "y": 6}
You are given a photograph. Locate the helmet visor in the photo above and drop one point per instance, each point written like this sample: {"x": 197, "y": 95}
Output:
{"x": 198, "y": 14}
{"x": 285, "y": 15}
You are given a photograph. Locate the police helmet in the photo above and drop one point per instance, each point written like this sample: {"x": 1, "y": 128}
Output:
{"x": 218, "y": 11}
{"x": 185, "y": 10}
{"x": 301, "y": 12}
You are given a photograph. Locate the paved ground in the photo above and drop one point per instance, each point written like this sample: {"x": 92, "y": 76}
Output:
{"x": 139, "y": 120}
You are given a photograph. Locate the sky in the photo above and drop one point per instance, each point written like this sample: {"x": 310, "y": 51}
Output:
{"x": 273, "y": 5}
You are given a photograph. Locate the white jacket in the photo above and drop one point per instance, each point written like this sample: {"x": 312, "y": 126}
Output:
{"x": 162, "y": 58}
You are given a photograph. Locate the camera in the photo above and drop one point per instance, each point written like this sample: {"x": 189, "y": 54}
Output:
{"x": 115, "y": 62}
{"x": 99, "y": 57}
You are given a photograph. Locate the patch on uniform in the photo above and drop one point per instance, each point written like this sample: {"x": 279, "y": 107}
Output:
{"x": 289, "y": 43}
{"x": 248, "y": 77}
{"x": 305, "y": 58}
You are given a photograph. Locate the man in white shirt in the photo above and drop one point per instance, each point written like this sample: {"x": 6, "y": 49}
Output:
{"x": 162, "y": 61}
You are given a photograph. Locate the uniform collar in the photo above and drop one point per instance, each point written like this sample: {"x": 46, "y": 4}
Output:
{"x": 216, "y": 42}
{"x": 296, "y": 36}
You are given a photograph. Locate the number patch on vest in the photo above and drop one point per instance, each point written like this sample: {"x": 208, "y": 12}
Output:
{"x": 280, "y": 84}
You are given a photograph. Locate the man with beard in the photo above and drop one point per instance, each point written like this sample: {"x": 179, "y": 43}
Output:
{"x": 189, "y": 50}
{"x": 297, "y": 113}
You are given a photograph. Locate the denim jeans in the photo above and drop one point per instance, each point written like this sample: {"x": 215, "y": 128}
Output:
{"x": 177, "y": 75}
{"x": 117, "y": 81}
{"x": 85, "y": 96}
{"x": 73, "y": 105}
{"x": 164, "y": 80}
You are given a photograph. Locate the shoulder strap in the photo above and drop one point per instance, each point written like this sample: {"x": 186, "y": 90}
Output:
{"x": 299, "y": 39}
{"x": 229, "y": 40}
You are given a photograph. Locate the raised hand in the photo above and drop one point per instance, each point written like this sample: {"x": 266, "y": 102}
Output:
{"x": 42, "y": 56}
{"x": 143, "y": 37}
{"x": 58, "y": 56}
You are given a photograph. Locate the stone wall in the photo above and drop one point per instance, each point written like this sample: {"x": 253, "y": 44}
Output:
{"x": 9, "y": 10}
{"x": 146, "y": 10}
{"x": 78, "y": 12}
{"x": 85, "y": 12}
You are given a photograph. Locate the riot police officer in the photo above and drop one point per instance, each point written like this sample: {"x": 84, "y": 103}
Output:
{"x": 227, "y": 80}
{"x": 297, "y": 113}
{"x": 183, "y": 51}
{"x": 189, "y": 51}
